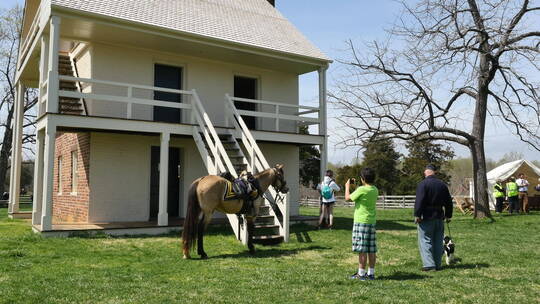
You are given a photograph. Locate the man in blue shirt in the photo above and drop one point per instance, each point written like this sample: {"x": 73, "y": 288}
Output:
{"x": 432, "y": 196}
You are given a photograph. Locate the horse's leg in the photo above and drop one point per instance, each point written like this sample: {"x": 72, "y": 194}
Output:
{"x": 251, "y": 229}
{"x": 200, "y": 235}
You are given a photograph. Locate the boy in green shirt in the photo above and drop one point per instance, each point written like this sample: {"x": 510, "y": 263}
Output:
{"x": 363, "y": 235}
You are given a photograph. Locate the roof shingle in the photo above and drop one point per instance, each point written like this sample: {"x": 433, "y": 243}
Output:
{"x": 248, "y": 22}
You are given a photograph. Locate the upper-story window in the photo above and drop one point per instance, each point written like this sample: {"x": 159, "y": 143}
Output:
{"x": 246, "y": 87}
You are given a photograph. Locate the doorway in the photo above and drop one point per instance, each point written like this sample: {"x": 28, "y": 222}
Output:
{"x": 246, "y": 87}
{"x": 166, "y": 76}
{"x": 173, "y": 193}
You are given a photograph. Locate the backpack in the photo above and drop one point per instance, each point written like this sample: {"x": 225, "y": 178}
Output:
{"x": 326, "y": 191}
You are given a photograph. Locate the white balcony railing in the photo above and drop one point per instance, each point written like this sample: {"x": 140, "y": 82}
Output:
{"x": 130, "y": 95}
{"x": 26, "y": 44}
{"x": 278, "y": 112}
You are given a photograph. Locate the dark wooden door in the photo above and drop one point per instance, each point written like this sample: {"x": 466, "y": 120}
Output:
{"x": 245, "y": 87}
{"x": 173, "y": 193}
{"x": 170, "y": 77}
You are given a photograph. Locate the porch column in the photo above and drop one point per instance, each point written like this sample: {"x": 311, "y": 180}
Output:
{"x": 48, "y": 177}
{"x": 323, "y": 121}
{"x": 38, "y": 178}
{"x": 16, "y": 150}
{"x": 163, "y": 217}
{"x": 43, "y": 71}
{"x": 52, "y": 74}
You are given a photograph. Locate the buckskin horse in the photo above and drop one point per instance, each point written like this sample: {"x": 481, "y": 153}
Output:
{"x": 207, "y": 194}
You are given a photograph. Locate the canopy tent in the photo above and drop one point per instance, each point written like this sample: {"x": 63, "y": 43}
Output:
{"x": 505, "y": 171}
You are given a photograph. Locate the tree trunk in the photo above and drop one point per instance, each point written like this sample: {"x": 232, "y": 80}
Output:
{"x": 5, "y": 151}
{"x": 481, "y": 202}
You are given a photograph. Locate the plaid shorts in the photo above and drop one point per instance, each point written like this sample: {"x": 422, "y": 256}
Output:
{"x": 364, "y": 239}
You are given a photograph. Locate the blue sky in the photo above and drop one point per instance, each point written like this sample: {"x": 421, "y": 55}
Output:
{"x": 328, "y": 24}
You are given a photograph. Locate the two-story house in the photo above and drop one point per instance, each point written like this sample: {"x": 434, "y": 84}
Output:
{"x": 138, "y": 98}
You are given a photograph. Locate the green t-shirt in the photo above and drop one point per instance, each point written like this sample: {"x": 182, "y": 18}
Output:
{"x": 365, "y": 199}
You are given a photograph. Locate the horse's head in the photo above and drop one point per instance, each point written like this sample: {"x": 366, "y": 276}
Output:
{"x": 279, "y": 181}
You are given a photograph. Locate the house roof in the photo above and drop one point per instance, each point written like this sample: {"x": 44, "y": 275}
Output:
{"x": 247, "y": 22}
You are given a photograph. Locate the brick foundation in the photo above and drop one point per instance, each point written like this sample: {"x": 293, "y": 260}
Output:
{"x": 68, "y": 206}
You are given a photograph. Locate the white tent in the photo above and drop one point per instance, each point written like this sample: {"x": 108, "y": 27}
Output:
{"x": 505, "y": 171}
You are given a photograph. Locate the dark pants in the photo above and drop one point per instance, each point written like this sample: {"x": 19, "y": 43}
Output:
{"x": 499, "y": 204}
{"x": 513, "y": 201}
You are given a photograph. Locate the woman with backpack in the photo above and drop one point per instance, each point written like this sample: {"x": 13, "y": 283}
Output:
{"x": 327, "y": 189}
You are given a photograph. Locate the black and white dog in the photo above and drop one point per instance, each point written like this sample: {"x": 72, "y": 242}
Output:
{"x": 449, "y": 248}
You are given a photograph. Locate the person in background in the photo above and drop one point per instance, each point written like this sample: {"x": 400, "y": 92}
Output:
{"x": 327, "y": 189}
{"x": 512, "y": 195}
{"x": 364, "y": 240}
{"x": 523, "y": 195}
{"x": 432, "y": 206}
{"x": 498, "y": 193}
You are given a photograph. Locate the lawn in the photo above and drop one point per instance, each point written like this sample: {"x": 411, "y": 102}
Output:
{"x": 500, "y": 263}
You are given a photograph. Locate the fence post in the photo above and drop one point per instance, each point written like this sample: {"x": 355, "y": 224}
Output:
{"x": 403, "y": 202}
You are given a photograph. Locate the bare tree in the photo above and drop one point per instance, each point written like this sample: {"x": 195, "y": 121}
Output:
{"x": 10, "y": 32}
{"x": 446, "y": 66}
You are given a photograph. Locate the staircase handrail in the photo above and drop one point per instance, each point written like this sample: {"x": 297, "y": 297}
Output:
{"x": 219, "y": 153}
{"x": 76, "y": 70}
{"x": 260, "y": 162}
{"x": 206, "y": 126}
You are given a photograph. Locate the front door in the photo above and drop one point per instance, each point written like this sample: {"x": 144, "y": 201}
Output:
{"x": 245, "y": 87}
{"x": 170, "y": 77}
{"x": 173, "y": 195}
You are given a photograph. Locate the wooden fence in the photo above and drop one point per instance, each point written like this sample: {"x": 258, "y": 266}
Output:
{"x": 384, "y": 202}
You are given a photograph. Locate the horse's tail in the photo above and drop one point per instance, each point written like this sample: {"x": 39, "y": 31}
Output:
{"x": 191, "y": 221}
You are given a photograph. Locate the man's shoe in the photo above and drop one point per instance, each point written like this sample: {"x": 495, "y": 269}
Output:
{"x": 428, "y": 269}
{"x": 356, "y": 276}
{"x": 371, "y": 277}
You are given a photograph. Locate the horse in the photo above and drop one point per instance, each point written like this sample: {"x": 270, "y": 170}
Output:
{"x": 206, "y": 195}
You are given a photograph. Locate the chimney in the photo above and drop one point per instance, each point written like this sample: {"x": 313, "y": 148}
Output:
{"x": 273, "y": 2}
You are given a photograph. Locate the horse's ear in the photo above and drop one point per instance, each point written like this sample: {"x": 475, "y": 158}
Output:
{"x": 279, "y": 166}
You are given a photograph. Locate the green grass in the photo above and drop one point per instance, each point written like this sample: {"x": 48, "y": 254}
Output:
{"x": 500, "y": 263}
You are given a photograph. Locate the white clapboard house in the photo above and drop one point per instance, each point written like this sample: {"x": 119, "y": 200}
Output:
{"x": 138, "y": 98}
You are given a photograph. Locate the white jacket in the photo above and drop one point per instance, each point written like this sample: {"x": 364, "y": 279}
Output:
{"x": 332, "y": 184}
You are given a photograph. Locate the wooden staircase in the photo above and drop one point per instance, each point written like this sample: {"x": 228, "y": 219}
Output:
{"x": 266, "y": 230}
{"x": 67, "y": 105}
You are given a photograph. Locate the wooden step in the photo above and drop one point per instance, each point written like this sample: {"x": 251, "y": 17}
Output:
{"x": 268, "y": 239}
{"x": 265, "y": 226}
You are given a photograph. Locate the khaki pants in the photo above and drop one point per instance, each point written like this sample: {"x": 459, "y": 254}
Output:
{"x": 524, "y": 201}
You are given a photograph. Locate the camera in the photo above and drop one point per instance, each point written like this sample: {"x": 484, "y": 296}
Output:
{"x": 353, "y": 181}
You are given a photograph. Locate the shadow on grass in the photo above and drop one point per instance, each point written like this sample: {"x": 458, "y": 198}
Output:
{"x": 404, "y": 276}
{"x": 467, "y": 266}
{"x": 268, "y": 253}
{"x": 343, "y": 223}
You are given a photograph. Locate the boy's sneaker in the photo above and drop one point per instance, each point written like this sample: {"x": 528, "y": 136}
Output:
{"x": 371, "y": 277}
{"x": 356, "y": 276}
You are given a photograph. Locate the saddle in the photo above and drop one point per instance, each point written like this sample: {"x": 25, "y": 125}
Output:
{"x": 245, "y": 188}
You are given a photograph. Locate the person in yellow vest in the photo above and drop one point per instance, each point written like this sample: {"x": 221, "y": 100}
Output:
{"x": 512, "y": 194}
{"x": 498, "y": 192}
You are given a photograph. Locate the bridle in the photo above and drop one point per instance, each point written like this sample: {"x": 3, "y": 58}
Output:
{"x": 281, "y": 179}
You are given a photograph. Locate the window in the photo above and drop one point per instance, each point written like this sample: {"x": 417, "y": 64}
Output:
{"x": 74, "y": 172}
{"x": 59, "y": 175}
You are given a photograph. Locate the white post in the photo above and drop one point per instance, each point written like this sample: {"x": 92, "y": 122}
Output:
{"x": 286, "y": 218}
{"x": 38, "y": 179}
{"x": 16, "y": 149}
{"x": 163, "y": 217}
{"x": 43, "y": 71}
{"x": 54, "y": 47}
{"x": 48, "y": 178}
{"x": 277, "y": 118}
{"x": 471, "y": 189}
{"x": 322, "y": 119}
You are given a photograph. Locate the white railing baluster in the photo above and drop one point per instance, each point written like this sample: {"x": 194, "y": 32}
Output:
{"x": 277, "y": 118}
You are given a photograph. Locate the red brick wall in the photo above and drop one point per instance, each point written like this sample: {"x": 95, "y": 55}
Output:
{"x": 71, "y": 207}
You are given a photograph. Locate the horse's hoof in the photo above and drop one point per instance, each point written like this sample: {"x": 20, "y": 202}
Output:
{"x": 204, "y": 257}
{"x": 252, "y": 252}
{"x": 186, "y": 257}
